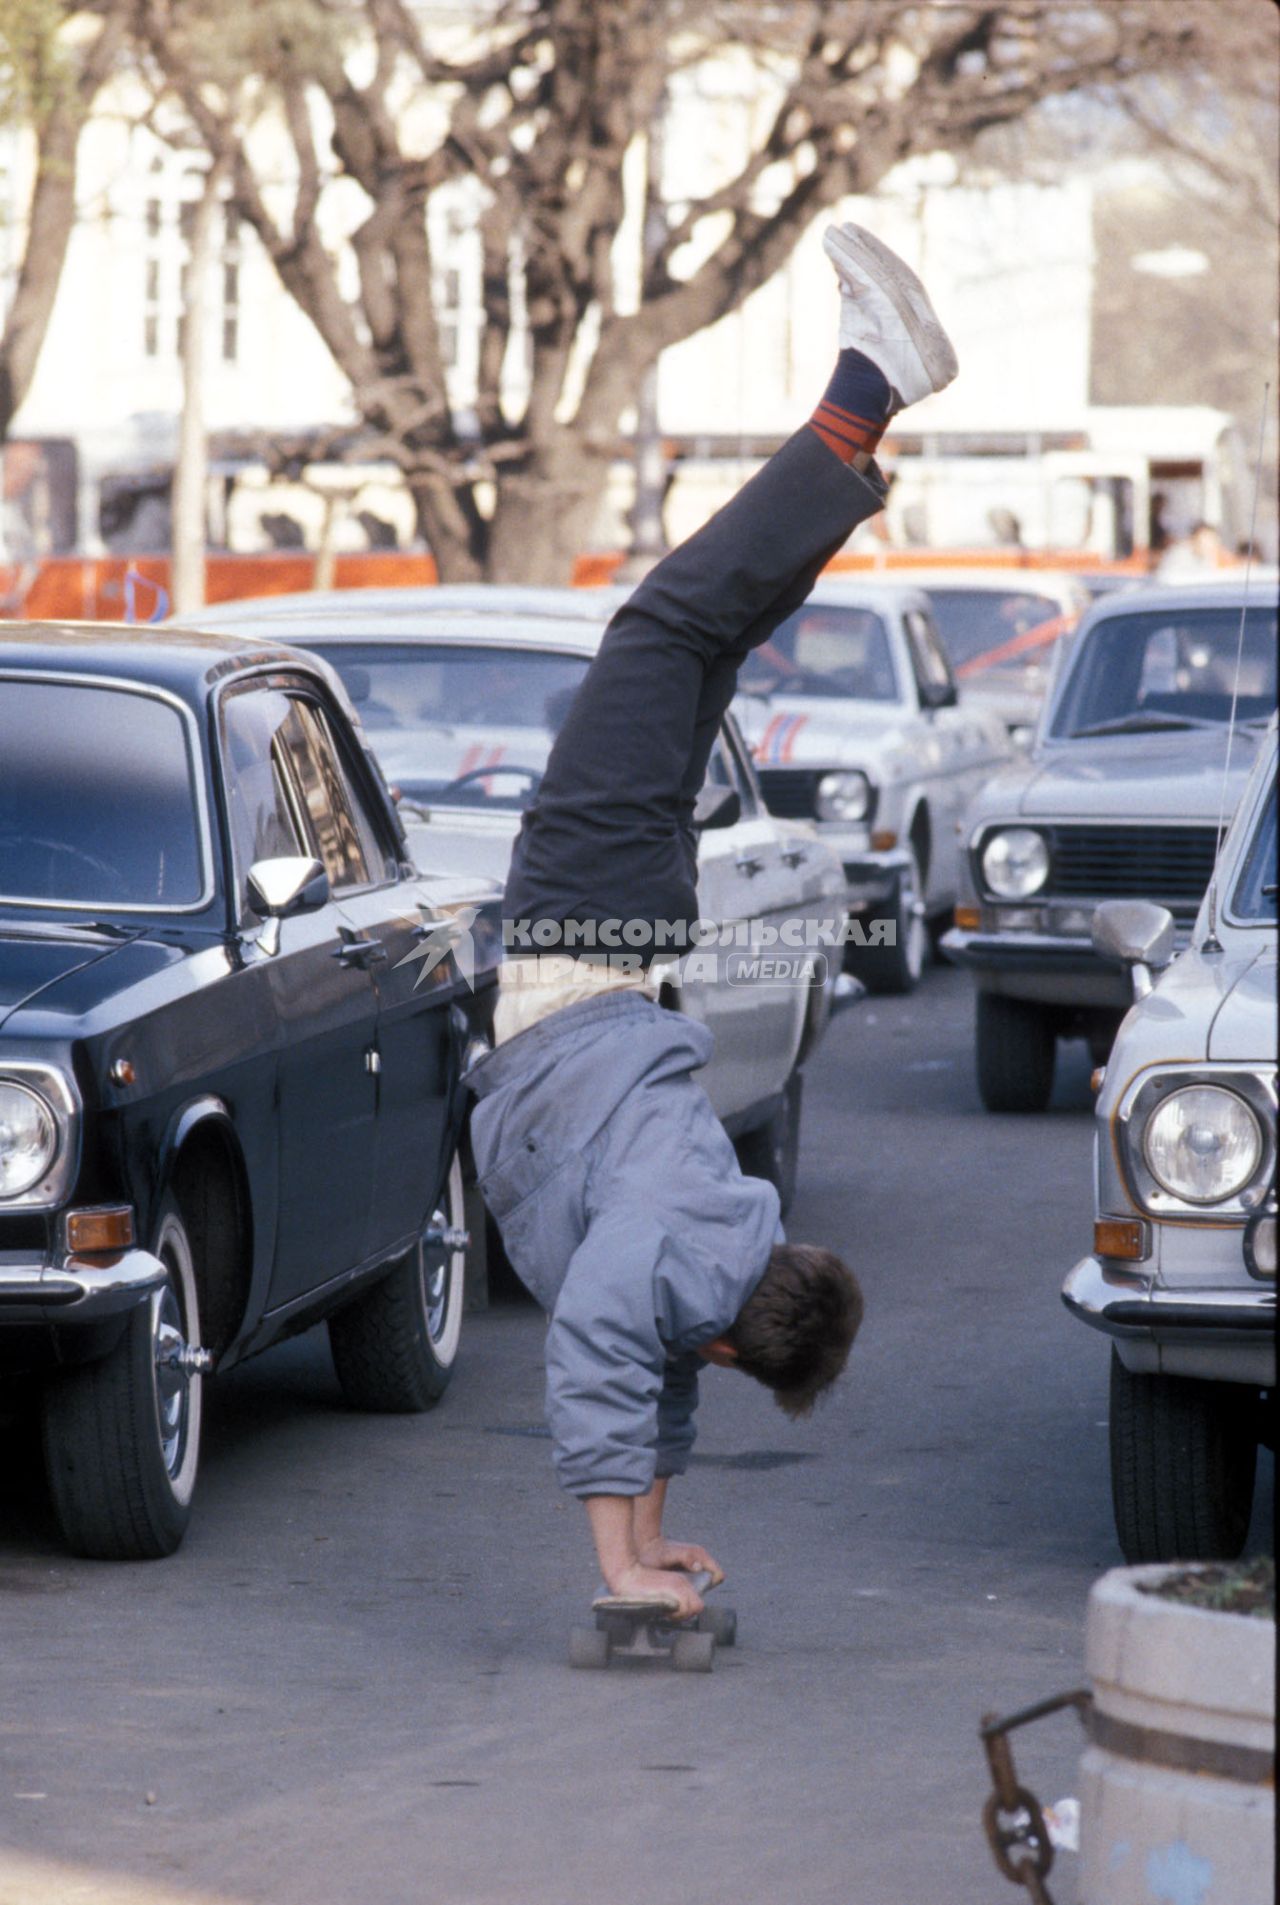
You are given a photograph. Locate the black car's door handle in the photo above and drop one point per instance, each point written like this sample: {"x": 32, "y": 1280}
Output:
{"x": 356, "y": 950}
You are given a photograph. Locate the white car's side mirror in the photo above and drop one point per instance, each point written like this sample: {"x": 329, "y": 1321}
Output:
{"x": 1137, "y": 933}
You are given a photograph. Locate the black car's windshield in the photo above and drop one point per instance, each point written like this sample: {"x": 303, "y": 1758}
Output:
{"x": 824, "y": 649}
{"x": 984, "y": 629}
{"x": 1254, "y": 902}
{"x": 457, "y": 725}
{"x": 97, "y": 798}
{"x": 1169, "y": 668}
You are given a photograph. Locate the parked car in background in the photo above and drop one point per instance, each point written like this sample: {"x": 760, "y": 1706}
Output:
{"x": 229, "y": 1097}
{"x": 461, "y": 692}
{"x": 1005, "y": 632}
{"x": 1122, "y": 798}
{"x": 854, "y": 718}
{"x": 1182, "y": 1276}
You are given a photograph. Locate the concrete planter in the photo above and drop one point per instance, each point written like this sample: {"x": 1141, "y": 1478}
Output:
{"x": 1177, "y": 1795}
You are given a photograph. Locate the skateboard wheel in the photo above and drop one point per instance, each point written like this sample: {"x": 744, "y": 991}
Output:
{"x": 721, "y": 1623}
{"x": 588, "y": 1647}
{"x": 693, "y": 1652}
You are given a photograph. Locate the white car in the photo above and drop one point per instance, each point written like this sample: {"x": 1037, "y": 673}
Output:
{"x": 853, "y": 714}
{"x": 1005, "y": 632}
{"x": 460, "y": 693}
{"x": 1182, "y": 1276}
{"x": 1135, "y": 765}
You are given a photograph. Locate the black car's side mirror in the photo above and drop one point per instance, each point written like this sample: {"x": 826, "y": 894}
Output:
{"x": 1138, "y": 934}
{"x": 292, "y": 884}
{"x": 717, "y": 807}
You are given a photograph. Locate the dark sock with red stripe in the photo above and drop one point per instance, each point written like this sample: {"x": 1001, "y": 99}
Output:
{"x": 856, "y": 407}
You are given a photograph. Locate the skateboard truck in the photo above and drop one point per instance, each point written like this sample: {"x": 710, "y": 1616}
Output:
{"x": 648, "y": 1630}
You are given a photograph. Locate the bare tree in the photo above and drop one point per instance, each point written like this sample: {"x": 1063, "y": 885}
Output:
{"x": 540, "y": 103}
{"x": 55, "y": 57}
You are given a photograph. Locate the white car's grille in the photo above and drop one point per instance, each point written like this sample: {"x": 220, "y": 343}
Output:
{"x": 1172, "y": 865}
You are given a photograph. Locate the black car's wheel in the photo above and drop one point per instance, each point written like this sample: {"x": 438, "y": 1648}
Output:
{"x": 395, "y": 1346}
{"x": 772, "y": 1150}
{"x": 122, "y": 1435}
{"x": 1016, "y": 1049}
{"x": 1183, "y": 1458}
{"x": 897, "y": 968}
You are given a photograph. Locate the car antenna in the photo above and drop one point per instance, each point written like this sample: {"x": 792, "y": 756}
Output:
{"x": 1212, "y": 944}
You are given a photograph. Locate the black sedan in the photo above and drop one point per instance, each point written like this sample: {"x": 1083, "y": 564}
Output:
{"x": 233, "y": 1018}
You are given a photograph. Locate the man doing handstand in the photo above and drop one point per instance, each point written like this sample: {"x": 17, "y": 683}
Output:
{"x": 617, "y": 1192}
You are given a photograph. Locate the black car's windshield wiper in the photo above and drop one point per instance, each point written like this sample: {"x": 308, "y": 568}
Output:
{"x": 1142, "y": 721}
{"x": 73, "y": 929}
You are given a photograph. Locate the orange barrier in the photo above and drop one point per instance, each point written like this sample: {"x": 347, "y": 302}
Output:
{"x": 138, "y": 588}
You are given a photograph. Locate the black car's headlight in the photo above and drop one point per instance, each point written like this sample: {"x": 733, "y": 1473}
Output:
{"x": 844, "y": 796}
{"x": 1202, "y": 1144}
{"x": 1014, "y": 863}
{"x": 28, "y": 1138}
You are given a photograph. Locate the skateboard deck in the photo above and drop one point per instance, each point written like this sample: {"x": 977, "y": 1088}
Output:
{"x": 628, "y": 1629}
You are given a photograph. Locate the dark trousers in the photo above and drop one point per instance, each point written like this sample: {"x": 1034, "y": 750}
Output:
{"x": 610, "y": 835}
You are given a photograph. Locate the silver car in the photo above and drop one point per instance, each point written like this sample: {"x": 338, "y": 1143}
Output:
{"x": 854, "y": 718}
{"x": 461, "y": 691}
{"x": 1122, "y": 797}
{"x": 1182, "y": 1276}
{"x": 1005, "y": 632}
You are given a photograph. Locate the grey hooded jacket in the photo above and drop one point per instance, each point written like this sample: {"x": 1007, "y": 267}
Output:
{"x": 622, "y": 1208}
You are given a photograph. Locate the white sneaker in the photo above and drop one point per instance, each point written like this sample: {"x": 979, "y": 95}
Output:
{"x": 885, "y": 313}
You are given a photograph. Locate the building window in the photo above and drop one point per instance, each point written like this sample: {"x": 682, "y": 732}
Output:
{"x": 230, "y": 301}
{"x": 170, "y": 213}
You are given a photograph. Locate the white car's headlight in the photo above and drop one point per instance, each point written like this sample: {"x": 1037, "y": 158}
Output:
{"x": 28, "y": 1138}
{"x": 1202, "y": 1144}
{"x": 843, "y": 796}
{"x": 1015, "y": 863}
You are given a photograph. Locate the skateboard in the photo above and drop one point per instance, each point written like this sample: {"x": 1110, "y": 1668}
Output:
{"x": 647, "y": 1630}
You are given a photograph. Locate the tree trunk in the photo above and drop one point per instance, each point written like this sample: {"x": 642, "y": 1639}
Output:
{"x": 53, "y": 211}
{"x": 49, "y": 226}
{"x": 191, "y": 474}
{"x": 446, "y": 528}
{"x": 545, "y": 517}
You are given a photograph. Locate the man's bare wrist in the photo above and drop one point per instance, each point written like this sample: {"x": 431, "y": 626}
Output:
{"x": 612, "y": 1529}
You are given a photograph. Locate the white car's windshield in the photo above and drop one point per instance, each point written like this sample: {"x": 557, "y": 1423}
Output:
{"x": 997, "y": 629}
{"x": 1169, "y": 669}
{"x": 456, "y": 725}
{"x": 97, "y": 799}
{"x": 1254, "y": 902}
{"x": 824, "y": 649}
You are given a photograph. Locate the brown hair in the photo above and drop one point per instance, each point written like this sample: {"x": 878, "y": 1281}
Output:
{"x": 795, "y": 1330}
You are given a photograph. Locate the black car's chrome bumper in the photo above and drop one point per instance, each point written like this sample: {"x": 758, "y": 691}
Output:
{"x": 75, "y": 1289}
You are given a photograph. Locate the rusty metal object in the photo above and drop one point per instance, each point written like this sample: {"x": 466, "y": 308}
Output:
{"x": 1012, "y": 1818}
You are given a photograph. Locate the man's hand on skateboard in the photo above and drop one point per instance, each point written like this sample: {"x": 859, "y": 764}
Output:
{"x": 637, "y": 1560}
{"x": 659, "y": 1584}
{"x": 658, "y": 1552}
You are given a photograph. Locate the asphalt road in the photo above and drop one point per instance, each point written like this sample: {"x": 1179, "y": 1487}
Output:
{"x": 350, "y": 1688}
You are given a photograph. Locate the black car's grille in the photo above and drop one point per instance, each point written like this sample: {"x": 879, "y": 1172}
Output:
{"x": 1170, "y": 864}
{"x": 789, "y": 792}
